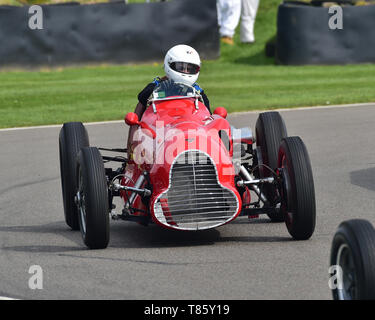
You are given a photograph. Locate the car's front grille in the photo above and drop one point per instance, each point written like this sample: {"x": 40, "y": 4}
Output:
{"x": 195, "y": 200}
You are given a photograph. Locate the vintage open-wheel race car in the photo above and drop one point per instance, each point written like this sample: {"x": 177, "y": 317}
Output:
{"x": 187, "y": 169}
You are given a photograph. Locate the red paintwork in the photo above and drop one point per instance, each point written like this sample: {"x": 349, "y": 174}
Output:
{"x": 222, "y": 112}
{"x": 178, "y": 116}
{"x": 131, "y": 119}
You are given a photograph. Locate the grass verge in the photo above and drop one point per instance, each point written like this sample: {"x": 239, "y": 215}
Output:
{"x": 242, "y": 79}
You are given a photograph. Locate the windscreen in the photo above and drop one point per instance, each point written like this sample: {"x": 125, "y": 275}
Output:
{"x": 169, "y": 88}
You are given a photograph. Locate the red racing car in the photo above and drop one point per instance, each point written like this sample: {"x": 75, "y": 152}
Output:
{"x": 186, "y": 169}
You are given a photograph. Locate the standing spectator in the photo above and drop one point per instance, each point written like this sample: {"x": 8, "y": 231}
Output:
{"x": 229, "y": 13}
{"x": 249, "y": 10}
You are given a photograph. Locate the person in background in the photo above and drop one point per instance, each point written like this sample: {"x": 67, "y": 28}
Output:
{"x": 249, "y": 10}
{"x": 229, "y": 14}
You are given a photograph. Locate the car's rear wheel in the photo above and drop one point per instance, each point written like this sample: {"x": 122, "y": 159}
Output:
{"x": 92, "y": 199}
{"x": 353, "y": 250}
{"x": 270, "y": 130}
{"x": 73, "y": 136}
{"x": 297, "y": 188}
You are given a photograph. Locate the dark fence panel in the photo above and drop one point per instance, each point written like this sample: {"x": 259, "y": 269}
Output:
{"x": 304, "y": 36}
{"x": 107, "y": 33}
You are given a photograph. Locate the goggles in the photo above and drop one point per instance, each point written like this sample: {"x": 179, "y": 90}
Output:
{"x": 185, "y": 67}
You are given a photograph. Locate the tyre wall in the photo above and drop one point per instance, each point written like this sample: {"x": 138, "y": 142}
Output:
{"x": 107, "y": 32}
{"x": 304, "y": 35}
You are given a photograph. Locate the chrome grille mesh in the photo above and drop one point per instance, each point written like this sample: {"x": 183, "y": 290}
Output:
{"x": 195, "y": 200}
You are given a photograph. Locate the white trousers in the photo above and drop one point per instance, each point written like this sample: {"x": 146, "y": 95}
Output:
{"x": 248, "y": 13}
{"x": 229, "y": 13}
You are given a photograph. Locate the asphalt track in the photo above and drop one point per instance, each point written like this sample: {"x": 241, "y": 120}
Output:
{"x": 243, "y": 260}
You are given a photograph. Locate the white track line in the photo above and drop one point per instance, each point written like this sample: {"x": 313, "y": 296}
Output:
{"x": 367, "y": 104}
{"x": 60, "y": 125}
{"x": 233, "y": 113}
{"x": 7, "y": 298}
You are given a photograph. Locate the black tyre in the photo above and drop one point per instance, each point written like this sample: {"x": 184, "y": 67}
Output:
{"x": 353, "y": 249}
{"x": 73, "y": 136}
{"x": 92, "y": 199}
{"x": 270, "y": 130}
{"x": 297, "y": 189}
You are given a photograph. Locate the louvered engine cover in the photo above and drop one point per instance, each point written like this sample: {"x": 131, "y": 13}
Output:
{"x": 195, "y": 199}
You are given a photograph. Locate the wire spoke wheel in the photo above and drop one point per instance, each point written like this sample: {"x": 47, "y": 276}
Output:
{"x": 81, "y": 202}
{"x": 346, "y": 262}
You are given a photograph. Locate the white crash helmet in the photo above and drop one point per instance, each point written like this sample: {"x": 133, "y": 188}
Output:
{"x": 182, "y": 64}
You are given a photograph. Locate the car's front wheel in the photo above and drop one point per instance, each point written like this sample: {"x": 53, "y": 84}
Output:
{"x": 92, "y": 199}
{"x": 297, "y": 188}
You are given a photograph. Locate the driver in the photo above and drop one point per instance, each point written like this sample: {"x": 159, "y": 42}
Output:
{"x": 181, "y": 64}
